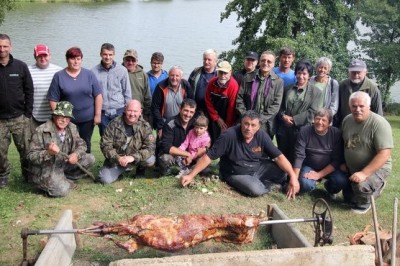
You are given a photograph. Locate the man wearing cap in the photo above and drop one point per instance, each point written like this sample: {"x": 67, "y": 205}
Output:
{"x": 358, "y": 81}
{"x": 200, "y": 77}
{"x": 262, "y": 91}
{"x": 127, "y": 142}
{"x": 221, "y": 100}
{"x": 114, "y": 81}
{"x": 42, "y": 73}
{"x": 16, "y": 103}
{"x": 54, "y": 151}
{"x": 250, "y": 64}
{"x": 284, "y": 71}
{"x": 139, "y": 82}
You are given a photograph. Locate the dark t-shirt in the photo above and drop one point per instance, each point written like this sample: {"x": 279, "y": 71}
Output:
{"x": 238, "y": 157}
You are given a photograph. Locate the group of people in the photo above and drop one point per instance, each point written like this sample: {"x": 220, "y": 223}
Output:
{"x": 325, "y": 129}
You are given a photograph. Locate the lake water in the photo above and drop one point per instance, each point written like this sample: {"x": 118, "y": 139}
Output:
{"x": 180, "y": 29}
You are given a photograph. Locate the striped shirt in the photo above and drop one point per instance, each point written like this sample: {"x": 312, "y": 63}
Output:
{"x": 41, "y": 83}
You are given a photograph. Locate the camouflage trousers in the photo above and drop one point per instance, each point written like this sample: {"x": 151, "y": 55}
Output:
{"x": 56, "y": 180}
{"x": 17, "y": 129}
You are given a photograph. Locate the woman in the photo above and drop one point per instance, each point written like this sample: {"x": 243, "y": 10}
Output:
{"x": 80, "y": 87}
{"x": 328, "y": 86}
{"x": 299, "y": 103}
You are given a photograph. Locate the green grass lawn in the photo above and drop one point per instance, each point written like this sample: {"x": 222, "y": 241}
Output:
{"x": 23, "y": 206}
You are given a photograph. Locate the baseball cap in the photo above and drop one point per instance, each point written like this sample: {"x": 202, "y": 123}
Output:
{"x": 64, "y": 108}
{"x": 224, "y": 66}
{"x": 357, "y": 65}
{"x": 131, "y": 53}
{"x": 251, "y": 55}
{"x": 41, "y": 49}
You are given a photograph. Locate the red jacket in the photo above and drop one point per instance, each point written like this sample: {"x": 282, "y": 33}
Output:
{"x": 229, "y": 93}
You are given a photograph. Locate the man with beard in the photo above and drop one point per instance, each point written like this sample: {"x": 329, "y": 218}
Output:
{"x": 55, "y": 150}
{"x": 242, "y": 165}
{"x": 358, "y": 81}
{"x": 221, "y": 100}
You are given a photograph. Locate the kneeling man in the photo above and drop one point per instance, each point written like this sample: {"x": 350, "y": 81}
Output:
{"x": 55, "y": 150}
{"x": 240, "y": 150}
{"x": 128, "y": 141}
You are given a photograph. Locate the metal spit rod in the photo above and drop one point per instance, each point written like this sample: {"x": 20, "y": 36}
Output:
{"x": 300, "y": 220}
{"x": 66, "y": 231}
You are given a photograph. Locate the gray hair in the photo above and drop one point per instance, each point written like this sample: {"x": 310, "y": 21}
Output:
{"x": 211, "y": 51}
{"x": 176, "y": 67}
{"x": 324, "y": 112}
{"x": 251, "y": 114}
{"x": 268, "y": 52}
{"x": 360, "y": 95}
{"x": 324, "y": 61}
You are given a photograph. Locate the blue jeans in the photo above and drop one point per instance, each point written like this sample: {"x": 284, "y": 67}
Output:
{"x": 106, "y": 119}
{"x": 336, "y": 181}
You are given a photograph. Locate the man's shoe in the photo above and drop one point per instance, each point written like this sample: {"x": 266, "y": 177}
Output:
{"x": 360, "y": 210}
{"x": 140, "y": 171}
{"x": 3, "y": 182}
{"x": 332, "y": 196}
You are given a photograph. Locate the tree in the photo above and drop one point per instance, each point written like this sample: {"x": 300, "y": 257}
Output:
{"x": 313, "y": 28}
{"x": 382, "y": 43}
{"x": 5, "y": 5}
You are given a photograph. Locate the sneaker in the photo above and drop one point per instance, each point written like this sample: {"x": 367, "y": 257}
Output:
{"x": 332, "y": 196}
{"x": 183, "y": 172}
{"x": 3, "y": 182}
{"x": 360, "y": 210}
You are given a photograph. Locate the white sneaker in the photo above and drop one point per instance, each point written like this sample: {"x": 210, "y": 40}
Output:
{"x": 183, "y": 172}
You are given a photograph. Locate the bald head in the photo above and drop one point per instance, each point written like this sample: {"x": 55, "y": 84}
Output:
{"x": 133, "y": 111}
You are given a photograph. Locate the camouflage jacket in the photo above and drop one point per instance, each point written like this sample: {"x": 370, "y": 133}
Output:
{"x": 114, "y": 144}
{"x": 41, "y": 162}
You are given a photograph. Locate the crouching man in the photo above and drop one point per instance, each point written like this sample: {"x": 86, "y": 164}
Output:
{"x": 54, "y": 151}
{"x": 127, "y": 142}
{"x": 240, "y": 150}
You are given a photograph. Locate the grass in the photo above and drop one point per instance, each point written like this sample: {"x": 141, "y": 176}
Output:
{"x": 23, "y": 206}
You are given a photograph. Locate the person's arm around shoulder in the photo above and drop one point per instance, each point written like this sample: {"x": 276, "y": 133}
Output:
{"x": 294, "y": 186}
{"x": 201, "y": 164}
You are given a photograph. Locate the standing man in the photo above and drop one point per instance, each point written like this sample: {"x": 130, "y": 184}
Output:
{"x": 173, "y": 135}
{"x": 241, "y": 165}
{"x": 358, "y": 81}
{"x": 284, "y": 71}
{"x": 42, "y": 73}
{"x": 157, "y": 73}
{"x": 114, "y": 81}
{"x": 168, "y": 97}
{"x": 55, "y": 149}
{"x": 250, "y": 64}
{"x": 127, "y": 142}
{"x": 139, "y": 82}
{"x": 368, "y": 145}
{"x": 221, "y": 100}
{"x": 262, "y": 91}
{"x": 200, "y": 77}
{"x": 16, "y": 104}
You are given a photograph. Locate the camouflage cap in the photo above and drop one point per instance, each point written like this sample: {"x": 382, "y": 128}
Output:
{"x": 64, "y": 108}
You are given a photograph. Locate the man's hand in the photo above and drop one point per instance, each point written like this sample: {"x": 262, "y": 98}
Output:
{"x": 313, "y": 175}
{"x": 97, "y": 119}
{"x": 53, "y": 149}
{"x": 124, "y": 160}
{"x": 293, "y": 188}
{"x": 72, "y": 158}
{"x": 288, "y": 120}
{"x": 358, "y": 177}
{"x": 222, "y": 124}
{"x": 159, "y": 133}
{"x": 186, "y": 180}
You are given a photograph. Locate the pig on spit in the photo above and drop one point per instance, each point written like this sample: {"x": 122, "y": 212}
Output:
{"x": 176, "y": 233}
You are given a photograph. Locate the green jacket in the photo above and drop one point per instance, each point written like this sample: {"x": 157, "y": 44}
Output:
{"x": 140, "y": 89}
{"x": 114, "y": 142}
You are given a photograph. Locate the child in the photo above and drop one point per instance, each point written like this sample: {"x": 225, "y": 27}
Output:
{"x": 196, "y": 140}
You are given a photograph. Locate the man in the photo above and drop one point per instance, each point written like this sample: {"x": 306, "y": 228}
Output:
{"x": 262, "y": 91}
{"x": 156, "y": 74}
{"x": 200, "y": 77}
{"x": 319, "y": 154}
{"x": 173, "y": 135}
{"x": 240, "y": 150}
{"x": 221, "y": 100}
{"x": 42, "y": 73}
{"x": 250, "y": 64}
{"x": 284, "y": 71}
{"x": 54, "y": 152}
{"x": 168, "y": 97}
{"x": 114, "y": 81}
{"x": 358, "y": 81}
{"x": 368, "y": 144}
{"x": 139, "y": 82}
{"x": 16, "y": 104}
{"x": 128, "y": 141}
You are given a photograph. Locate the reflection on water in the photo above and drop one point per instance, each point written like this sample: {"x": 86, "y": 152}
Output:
{"x": 180, "y": 29}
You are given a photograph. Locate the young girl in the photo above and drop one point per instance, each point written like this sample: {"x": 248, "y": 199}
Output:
{"x": 195, "y": 143}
